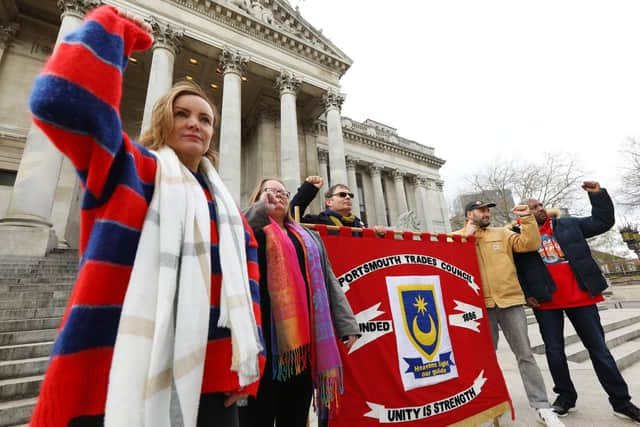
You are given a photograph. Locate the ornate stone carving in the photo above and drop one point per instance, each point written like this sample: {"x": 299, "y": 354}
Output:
{"x": 375, "y": 169}
{"x": 430, "y": 183}
{"x": 351, "y": 162}
{"x": 165, "y": 35}
{"x": 333, "y": 99}
{"x": 77, "y": 7}
{"x": 408, "y": 221}
{"x": 7, "y": 33}
{"x": 244, "y": 5}
{"x": 420, "y": 181}
{"x": 287, "y": 82}
{"x": 397, "y": 174}
{"x": 273, "y": 22}
{"x": 232, "y": 61}
{"x": 323, "y": 156}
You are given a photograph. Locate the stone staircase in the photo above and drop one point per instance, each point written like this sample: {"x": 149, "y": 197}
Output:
{"x": 33, "y": 296}
{"x": 622, "y": 333}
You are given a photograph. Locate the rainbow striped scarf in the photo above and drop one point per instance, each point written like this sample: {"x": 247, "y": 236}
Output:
{"x": 300, "y": 335}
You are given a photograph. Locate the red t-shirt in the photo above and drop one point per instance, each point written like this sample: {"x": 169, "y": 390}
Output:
{"x": 568, "y": 293}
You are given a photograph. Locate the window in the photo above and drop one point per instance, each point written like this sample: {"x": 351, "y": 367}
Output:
{"x": 386, "y": 199}
{"x": 7, "y": 177}
{"x": 360, "y": 190}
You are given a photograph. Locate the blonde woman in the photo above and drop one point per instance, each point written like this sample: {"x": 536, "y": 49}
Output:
{"x": 168, "y": 272}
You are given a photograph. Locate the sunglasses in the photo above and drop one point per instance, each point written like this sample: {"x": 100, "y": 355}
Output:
{"x": 343, "y": 194}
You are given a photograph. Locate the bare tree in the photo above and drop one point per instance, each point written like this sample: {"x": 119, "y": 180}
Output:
{"x": 630, "y": 174}
{"x": 554, "y": 180}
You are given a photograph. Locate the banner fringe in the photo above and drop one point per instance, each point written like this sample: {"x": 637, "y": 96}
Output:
{"x": 484, "y": 416}
{"x": 391, "y": 234}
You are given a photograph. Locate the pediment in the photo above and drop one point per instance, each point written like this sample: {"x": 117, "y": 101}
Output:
{"x": 277, "y": 22}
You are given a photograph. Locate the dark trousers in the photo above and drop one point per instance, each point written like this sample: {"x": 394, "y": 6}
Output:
{"x": 212, "y": 412}
{"x": 287, "y": 403}
{"x": 586, "y": 322}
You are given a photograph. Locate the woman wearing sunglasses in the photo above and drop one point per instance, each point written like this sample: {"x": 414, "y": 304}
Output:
{"x": 302, "y": 305}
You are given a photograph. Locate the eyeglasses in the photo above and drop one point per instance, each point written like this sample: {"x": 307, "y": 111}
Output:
{"x": 279, "y": 193}
{"x": 343, "y": 194}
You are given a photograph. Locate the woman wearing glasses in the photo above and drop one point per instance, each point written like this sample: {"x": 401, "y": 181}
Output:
{"x": 301, "y": 303}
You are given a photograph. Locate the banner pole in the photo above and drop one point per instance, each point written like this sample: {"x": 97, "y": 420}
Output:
{"x": 296, "y": 214}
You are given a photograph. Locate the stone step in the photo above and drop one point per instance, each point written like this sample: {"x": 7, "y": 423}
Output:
{"x": 571, "y": 337}
{"x": 16, "y": 412}
{"x": 48, "y": 287}
{"x": 33, "y": 303}
{"x": 37, "y": 278}
{"x": 626, "y": 355}
{"x": 38, "y": 267}
{"x": 30, "y": 313}
{"x": 30, "y": 324}
{"x": 578, "y": 353}
{"x": 20, "y": 388}
{"x": 25, "y": 351}
{"x": 33, "y": 294}
{"x": 24, "y": 337}
{"x": 23, "y": 368}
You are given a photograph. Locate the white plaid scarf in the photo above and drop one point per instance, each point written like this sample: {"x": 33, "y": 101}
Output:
{"x": 158, "y": 361}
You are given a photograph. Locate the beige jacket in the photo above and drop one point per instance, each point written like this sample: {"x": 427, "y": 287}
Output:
{"x": 494, "y": 248}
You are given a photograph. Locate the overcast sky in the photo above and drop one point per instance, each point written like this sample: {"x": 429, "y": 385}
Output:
{"x": 482, "y": 79}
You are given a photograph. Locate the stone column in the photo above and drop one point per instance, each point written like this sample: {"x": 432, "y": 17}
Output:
{"x": 333, "y": 102}
{"x": 422, "y": 204}
{"x": 378, "y": 195}
{"x": 444, "y": 209}
{"x": 7, "y": 34}
{"x": 401, "y": 197}
{"x": 233, "y": 64}
{"x": 166, "y": 45}
{"x": 312, "y": 166}
{"x": 288, "y": 84}
{"x": 267, "y": 143}
{"x": 353, "y": 184}
{"x": 323, "y": 161}
{"x": 433, "y": 203}
{"x": 26, "y": 229}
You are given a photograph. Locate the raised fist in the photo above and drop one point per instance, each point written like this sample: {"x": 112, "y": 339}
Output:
{"x": 470, "y": 228}
{"x": 521, "y": 210}
{"x": 135, "y": 19}
{"x": 270, "y": 201}
{"x": 316, "y": 181}
{"x": 591, "y": 186}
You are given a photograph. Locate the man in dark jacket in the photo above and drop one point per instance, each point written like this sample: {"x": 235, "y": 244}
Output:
{"x": 567, "y": 274}
{"x": 338, "y": 201}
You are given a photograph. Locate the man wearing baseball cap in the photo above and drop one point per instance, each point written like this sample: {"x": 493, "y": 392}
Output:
{"x": 503, "y": 295}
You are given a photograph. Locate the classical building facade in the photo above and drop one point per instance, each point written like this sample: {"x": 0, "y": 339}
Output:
{"x": 276, "y": 80}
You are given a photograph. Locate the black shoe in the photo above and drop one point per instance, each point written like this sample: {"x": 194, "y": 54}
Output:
{"x": 630, "y": 412}
{"x": 562, "y": 408}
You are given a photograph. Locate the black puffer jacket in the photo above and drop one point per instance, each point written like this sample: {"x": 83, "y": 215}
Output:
{"x": 571, "y": 234}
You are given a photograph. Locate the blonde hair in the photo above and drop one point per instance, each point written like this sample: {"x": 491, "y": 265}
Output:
{"x": 257, "y": 192}
{"x": 161, "y": 126}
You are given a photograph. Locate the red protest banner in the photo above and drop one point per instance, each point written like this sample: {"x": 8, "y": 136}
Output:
{"x": 425, "y": 356}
